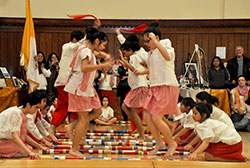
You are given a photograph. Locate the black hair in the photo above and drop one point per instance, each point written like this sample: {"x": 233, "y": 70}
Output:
{"x": 49, "y": 59}
{"x": 188, "y": 101}
{"x": 103, "y": 98}
{"x": 154, "y": 29}
{"x": 32, "y": 99}
{"x": 240, "y": 77}
{"x": 131, "y": 43}
{"x": 93, "y": 33}
{"x": 206, "y": 96}
{"x": 221, "y": 63}
{"x": 204, "y": 108}
{"x": 40, "y": 63}
{"x": 50, "y": 56}
{"x": 41, "y": 94}
{"x": 77, "y": 34}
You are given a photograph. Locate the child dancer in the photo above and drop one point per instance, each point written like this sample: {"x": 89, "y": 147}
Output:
{"x": 34, "y": 122}
{"x": 13, "y": 130}
{"x": 219, "y": 141}
{"x": 164, "y": 90}
{"x": 217, "y": 113}
{"x": 187, "y": 122}
{"x": 138, "y": 95}
{"x": 83, "y": 98}
{"x": 105, "y": 86}
{"x": 107, "y": 116}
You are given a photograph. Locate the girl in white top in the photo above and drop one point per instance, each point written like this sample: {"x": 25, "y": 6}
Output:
{"x": 35, "y": 128}
{"x": 164, "y": 89}
{"x": 107, "y": 116}
{"x": 105, "y": 86}
{"x": 219, "y": 141}
{"x": 43, "y": 73}
{"x": 13, "y": 132}
{"x": 137, "y": 97}
{"x": 217, "y": 113}
{"x": 83, "y": 98}
{"x": 186, "y": 122}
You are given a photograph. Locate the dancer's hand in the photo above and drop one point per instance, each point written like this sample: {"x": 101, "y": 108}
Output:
{"x": 188, "y": 147}
{"x": 107, "y": 64}
{"x": 193, "y": 156}
{"x": 152, "y": 37}
{"x": 118, "y": 31}
{"x": 97, "y": 24}
{"x": 34, "y": 155}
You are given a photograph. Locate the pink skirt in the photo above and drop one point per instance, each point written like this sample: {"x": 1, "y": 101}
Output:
{"x": 83, "y": 103}
{"x": 162, "y": 100}
{"x": 136, "y": 98}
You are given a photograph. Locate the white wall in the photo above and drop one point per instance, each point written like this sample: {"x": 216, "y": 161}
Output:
{"x": 130, "y": 9}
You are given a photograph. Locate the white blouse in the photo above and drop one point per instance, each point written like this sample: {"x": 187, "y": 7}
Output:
{"x": 105, "y": 85}
{"x": 161, "y": 71}
{"x": 68, "y": 51}
{"x": 75, "y": 80}
{"x": 41, "y": 79}
{"x": 188, "y": 121}
{"x": 180, "y": 116}
{"x": 140, "y": 56}
{"x": 107, "y": 112}
{"x": 32, "y": 127}
{"x": 133, "y": 80}
{"x": 220, "y": 115}
{"x": 10, "y": 121}
{"x": 217, "y": 131}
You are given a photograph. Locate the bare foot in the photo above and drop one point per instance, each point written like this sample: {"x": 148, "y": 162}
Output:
{"x": 83, "y": 141}
{"x": 76, "y": 153}
{"x": 135, "y": 131}
{"x": 171, "y": 149}
{"x": 157, "y": 148}
{"x": 69, "y": 131}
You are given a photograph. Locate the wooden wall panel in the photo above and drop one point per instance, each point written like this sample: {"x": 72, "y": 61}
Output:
{"x": 51, "y": 34}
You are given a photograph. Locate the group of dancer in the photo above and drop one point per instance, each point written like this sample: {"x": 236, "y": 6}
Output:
{"x": 158, "y": 97}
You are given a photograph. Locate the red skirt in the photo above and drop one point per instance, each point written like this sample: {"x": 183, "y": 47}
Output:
{"x": 225, "y": 151}
{"x": 109, "y": 94}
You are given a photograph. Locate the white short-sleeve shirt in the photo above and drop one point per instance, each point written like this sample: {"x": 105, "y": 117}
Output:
{"x": 133, "y": 80}
{"x": 161, "y": 71}
{"x": 220, "y": 115}
{"x": 180, "y": 116}
{"x": 74, "y": 83}
{"x": 105, "y": 85}
{"x": 217, "y": 131}
{"x": 188, "y": 121}
{"x": 107, "y": 112}
{"x": 10, "y": 121}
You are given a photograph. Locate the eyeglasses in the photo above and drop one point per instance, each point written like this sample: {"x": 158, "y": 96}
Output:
{"x": 146, "y": 41}
{"x": 241, "y": 80}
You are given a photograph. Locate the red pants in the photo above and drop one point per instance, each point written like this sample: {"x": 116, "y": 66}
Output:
{"x": 61, "y": 111}
{"x": 133, "y": 126}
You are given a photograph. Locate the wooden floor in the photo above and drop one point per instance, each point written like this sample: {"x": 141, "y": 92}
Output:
{"x": 48, "y": 161}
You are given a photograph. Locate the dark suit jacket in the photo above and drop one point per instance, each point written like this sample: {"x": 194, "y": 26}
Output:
{"x": 232, "y": 67}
